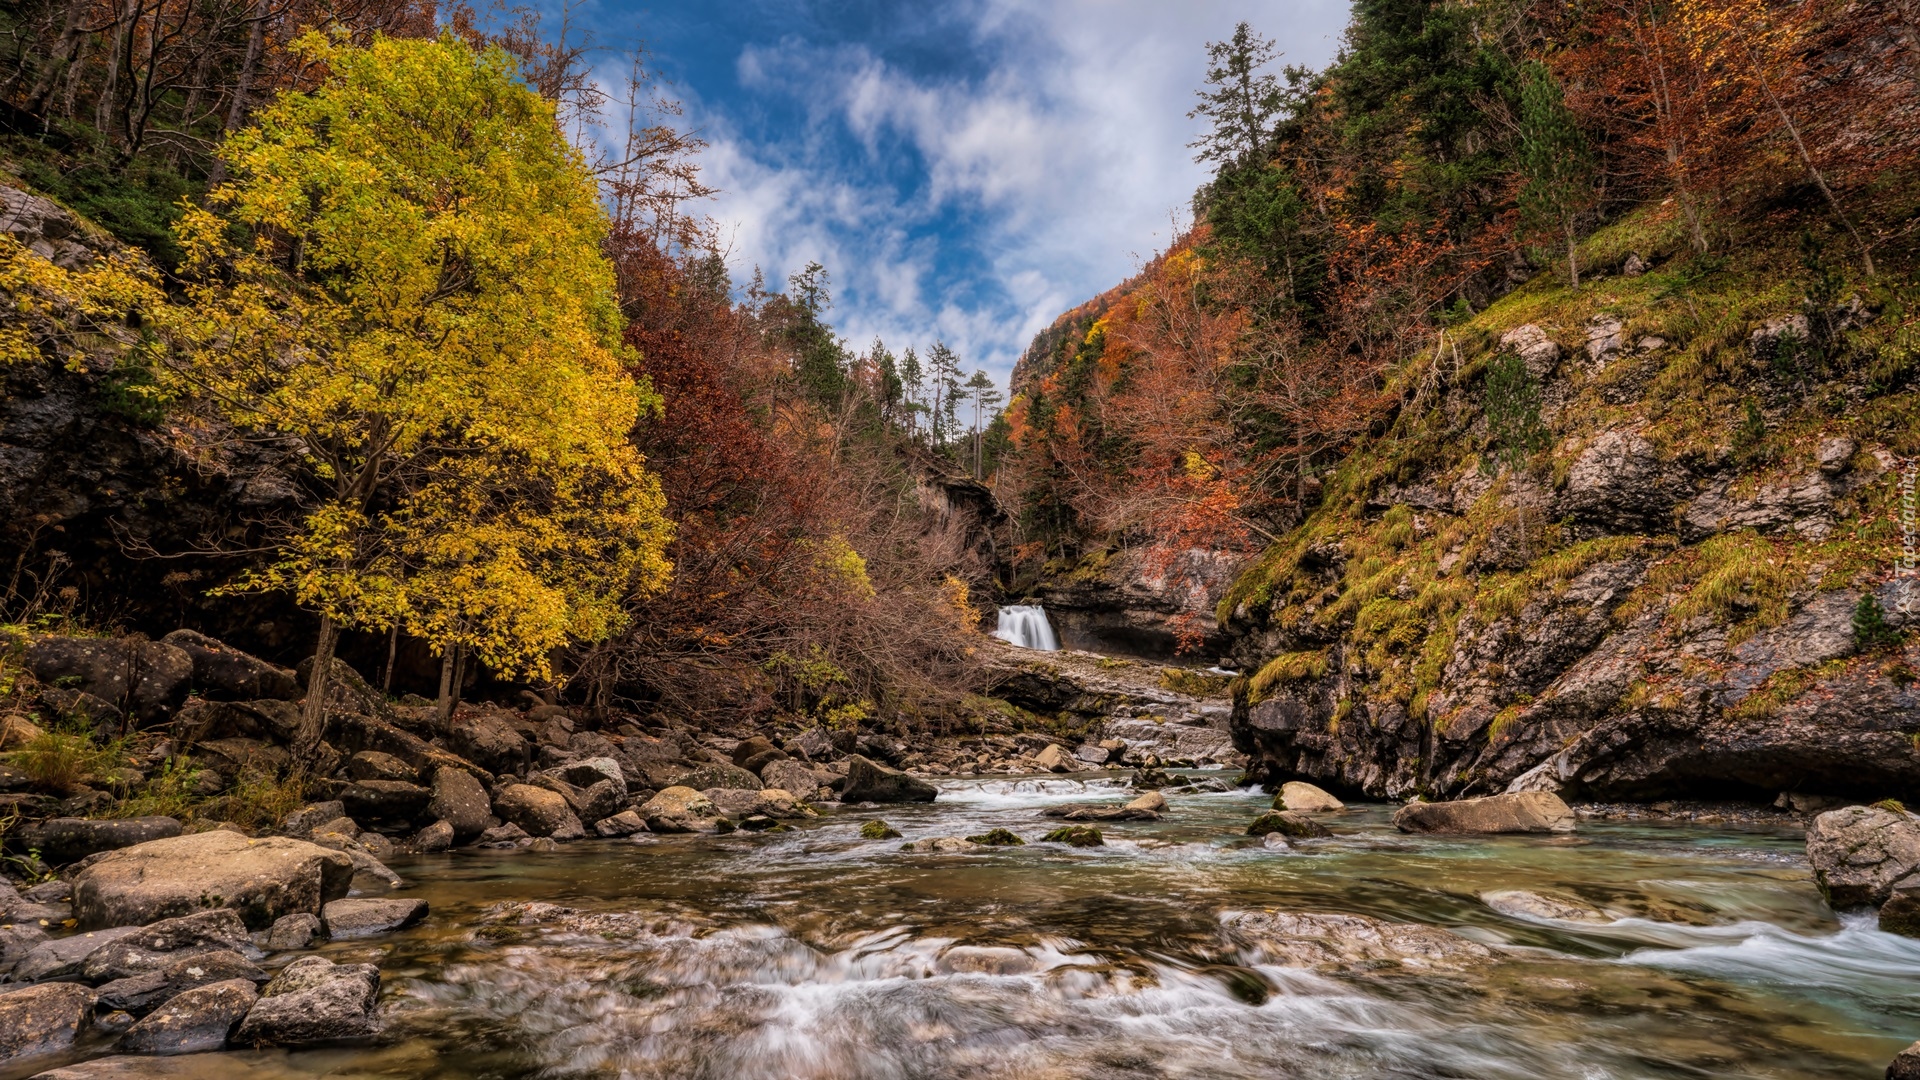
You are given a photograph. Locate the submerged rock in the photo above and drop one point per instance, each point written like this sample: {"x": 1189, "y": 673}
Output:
{"x": 1293, "y": 826}
{"x": 314, "y": 1000}
{"x": 868, "y": 782}
{"x": 1100, "y": 812}
{"x": 1532, "y": 905}
{"x": 261, "y": 879}
{"x": 1315, "y": 939}
{"x": 942, "y": 845}
{"x": 1525, "y": 812}
{"x": 1858, "y": 853}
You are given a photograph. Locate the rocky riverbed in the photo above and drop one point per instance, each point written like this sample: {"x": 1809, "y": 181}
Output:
{"x": 981, "y": 941}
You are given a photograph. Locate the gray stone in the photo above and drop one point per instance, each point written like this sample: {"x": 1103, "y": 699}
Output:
{"x": 1152, "y": 802}
{"x": 792, "y": 776}
{"x": 385, "y": 800}
{"x": 17, "y": 940}
{"x": 65, "y": 840}
{"x": 1336, "y": 941}
{"x": 313, "y": 1000}
{"x": 460, "y": 801}
{"x": 262, "y": 879}
{"x": 1520, "y": 903}
{"x": 294, "y": 931}
{"x": 364, "y": 918}
{"x": 1906, "y": 1065}
{"x": 435, "y": 838}
{"x": 42, "y": 1019}
{"x": 868, "y": 782}
{"x": 224, "y": 673}
{"x": 1537, "y": 351}
{"x": 151, "y": 948}
{"x": 1523, "y": 812}
{"x": 590, "y": 771}
{"x": 194, "y": 1021}
{"x": 1289, "y": 823}
{"x": 489, "y": 740}
{"x": 147, "y": 678}
{"x": 375, "y": 765}
{"x": 140, "y": 994}
{"x": 303, "y": 821}
{"x": 63, "y": 957}
{"x": 1859, "y": 853}
{"x": 1620, "y": 483}
{"x": 717, "y": 775}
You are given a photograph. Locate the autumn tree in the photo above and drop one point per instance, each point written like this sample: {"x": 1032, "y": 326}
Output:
{"x": 403, "y": 285}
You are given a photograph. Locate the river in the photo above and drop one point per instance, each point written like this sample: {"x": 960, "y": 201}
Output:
{"x": 815, "y": 954}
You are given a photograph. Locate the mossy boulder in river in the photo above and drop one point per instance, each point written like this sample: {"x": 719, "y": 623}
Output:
{"x": 997, "y": 838}
{"x": 1075, "y": 836}
{"x": 1287, "y": 823}
{"x": 878, "y": 830}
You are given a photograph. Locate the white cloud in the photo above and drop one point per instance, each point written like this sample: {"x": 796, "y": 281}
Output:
{"x": 1065, "y": 163}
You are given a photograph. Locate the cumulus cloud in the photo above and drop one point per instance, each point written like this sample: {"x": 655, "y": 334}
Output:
{"x": 977, "y": 202}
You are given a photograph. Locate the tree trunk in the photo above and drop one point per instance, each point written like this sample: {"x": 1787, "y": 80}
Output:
{"x": 65, "y": 51}
{"x": 313, "y": 720}
{"x": 393, "y": 648}
{"x": 1573, "y": 263}
{"x": 1806, "y": 158}
{"x": 237, "y": 109}
{"x": 446, "y": 685}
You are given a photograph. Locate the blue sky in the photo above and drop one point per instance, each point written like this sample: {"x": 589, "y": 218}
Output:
{"x": 966, "y": 169}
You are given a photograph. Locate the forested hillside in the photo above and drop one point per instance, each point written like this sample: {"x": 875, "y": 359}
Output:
{"x": 545, "y": 440}
{"x": 1548, "y": 368}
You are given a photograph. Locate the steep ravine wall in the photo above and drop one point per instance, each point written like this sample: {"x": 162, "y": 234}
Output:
{"x": 1661, "y": 604}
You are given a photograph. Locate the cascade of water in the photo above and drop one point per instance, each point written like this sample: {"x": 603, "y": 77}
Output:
{"x": 1026, "y": 625}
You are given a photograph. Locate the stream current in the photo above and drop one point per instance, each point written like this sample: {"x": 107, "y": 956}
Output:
{"x": 816, "y": 955}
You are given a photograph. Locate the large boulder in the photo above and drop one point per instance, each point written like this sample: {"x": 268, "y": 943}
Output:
{"x": 64, "y": 840}
{"x": 539, "y": 811}
{"x": 377, "y": 765}
{"x": 193, "y": 1021}
{"x": 603, "y": 799}
{"x": 313, "y": 1000}
{"x": 364, "y": 918}
{"x": 42, "y": 1019}
{"x": 1292, "y": 824}
{"x": 1525, "y": 812}
{"x": 791, "y": 776}
{"x": 590, "y": 771}
{"x": 488, "y": 740}
{"x": 1859, "y": 852}
{"x": 1304, "y": 798}
{"x": 868, "y": 782}
{"x": 261, "y": 879}
{"x": 1906, "y": 1066}
{"x": 147, "y": 678}
{"x": 151, "y": 948}
{"x": 681, "y": 810}
{"x": 1053, "y": 759}
{"x": 460, "y": 801}
{"x": 354, "y": 732}
{"x": 385, "y": 800}
{"x": 224, "y": 673}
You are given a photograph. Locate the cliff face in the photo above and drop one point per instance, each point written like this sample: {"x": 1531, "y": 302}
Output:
{"x": 99, "y": 510}
{"x": 1667, "y": 600}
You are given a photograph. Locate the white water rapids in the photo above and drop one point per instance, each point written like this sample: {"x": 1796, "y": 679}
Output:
{"x": 1026, "y": 626}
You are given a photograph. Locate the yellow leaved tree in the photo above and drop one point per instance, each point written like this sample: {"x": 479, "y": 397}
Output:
{"x": 403, "y": 281}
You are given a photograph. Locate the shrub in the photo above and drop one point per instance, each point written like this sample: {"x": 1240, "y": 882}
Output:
{"x": 1871, "y": 630}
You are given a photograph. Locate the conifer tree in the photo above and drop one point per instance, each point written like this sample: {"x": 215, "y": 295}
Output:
{"x": 1241, "y": 101}
{"x": 1557, "y": 164}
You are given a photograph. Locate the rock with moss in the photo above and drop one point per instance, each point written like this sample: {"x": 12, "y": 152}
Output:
{"x": 996, "y": 838}
{"x": 1080, "y": 836}
{"x": 878, "y": 830}
{"x": 1288, "y": 823}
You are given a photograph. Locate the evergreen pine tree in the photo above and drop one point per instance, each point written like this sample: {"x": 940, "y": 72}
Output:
{"x": 1557, "y": 164}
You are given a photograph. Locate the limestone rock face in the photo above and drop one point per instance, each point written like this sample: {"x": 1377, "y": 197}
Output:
{"x": 1620, "y": 483}
{"x": 314, "y": 1000}
{"x": 1858, "y": 853}
{"x": 868, "y": 782}
{"x": 1526, "y": 812}
{"x": 261, "y": 879}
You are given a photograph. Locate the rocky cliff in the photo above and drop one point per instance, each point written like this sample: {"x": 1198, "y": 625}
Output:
{"x": 1668, "y": 600}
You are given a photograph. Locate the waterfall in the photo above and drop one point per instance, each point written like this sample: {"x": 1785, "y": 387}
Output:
{"x": 1026, "y": 625}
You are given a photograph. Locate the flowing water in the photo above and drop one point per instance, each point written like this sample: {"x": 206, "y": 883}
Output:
{"x": 1026, "y": 625}
{"x": 815, "y": 954}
